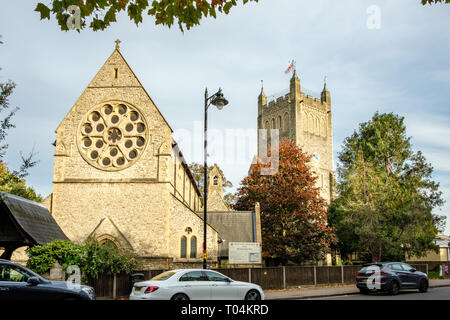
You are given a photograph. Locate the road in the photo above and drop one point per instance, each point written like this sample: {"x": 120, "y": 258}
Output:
{"x": 432, "y": 294}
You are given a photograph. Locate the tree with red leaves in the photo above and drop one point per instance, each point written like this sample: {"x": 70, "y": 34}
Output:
{"x": 293, "y": 214}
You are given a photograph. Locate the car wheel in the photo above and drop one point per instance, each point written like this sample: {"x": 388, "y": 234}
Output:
{"x": 395, "y": 288}
{"x": 253, "y": 295}
{"x": 423, "y": 285}
{"x": 180, "y": 296}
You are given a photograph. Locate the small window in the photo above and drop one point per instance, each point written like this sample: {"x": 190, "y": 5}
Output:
{"x": 11, "y": 273}
{"x": 406, "y": 267}
{"x": 116, "y": 73}
{"x": 194, "y": 276}
{"x": 183, "y": 247}
{"x": 214, "y": 276}
{"x": 216, "y": 180}
{"x": 396, "y": 267}
{"x": 193, "y": 247}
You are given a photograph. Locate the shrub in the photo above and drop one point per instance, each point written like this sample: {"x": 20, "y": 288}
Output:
{"x": 92, "y": 258}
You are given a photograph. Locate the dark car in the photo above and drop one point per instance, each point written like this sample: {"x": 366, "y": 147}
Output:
{"x": 390, "y": 277}
{"x": 19, "y": 283}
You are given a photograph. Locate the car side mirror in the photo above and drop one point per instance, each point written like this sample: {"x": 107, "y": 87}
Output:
{"x": 412, "y": 270}
{"x": 33, "y": 281}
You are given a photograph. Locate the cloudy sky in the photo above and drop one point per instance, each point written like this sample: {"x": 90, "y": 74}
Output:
{"x": 402, "y": 66}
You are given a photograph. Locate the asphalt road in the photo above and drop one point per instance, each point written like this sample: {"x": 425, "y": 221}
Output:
{"x": 442, "y": 293}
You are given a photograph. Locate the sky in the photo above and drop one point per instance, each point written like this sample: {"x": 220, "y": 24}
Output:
{"x": 386, "y": 56}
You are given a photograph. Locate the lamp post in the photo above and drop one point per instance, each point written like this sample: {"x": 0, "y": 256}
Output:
{"x": 219, "y": 101}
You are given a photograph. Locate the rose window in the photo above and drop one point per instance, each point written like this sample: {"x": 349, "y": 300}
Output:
{"x": 112, "y": 136}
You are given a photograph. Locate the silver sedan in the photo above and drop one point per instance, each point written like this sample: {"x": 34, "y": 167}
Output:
{"x": 195, "y": 284}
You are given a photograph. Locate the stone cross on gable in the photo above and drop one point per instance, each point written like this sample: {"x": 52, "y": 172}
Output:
{"x": 117, "y": 44}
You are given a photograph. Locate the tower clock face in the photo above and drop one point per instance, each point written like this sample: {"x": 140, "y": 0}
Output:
{"x": 316, "y": 157}
{"x": 112, "y": 136}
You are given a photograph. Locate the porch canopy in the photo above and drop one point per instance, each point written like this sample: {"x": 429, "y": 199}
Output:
{"x": 25, "y": 223}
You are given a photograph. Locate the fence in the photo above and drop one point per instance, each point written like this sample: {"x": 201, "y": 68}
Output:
{"x": 119, "y": 285}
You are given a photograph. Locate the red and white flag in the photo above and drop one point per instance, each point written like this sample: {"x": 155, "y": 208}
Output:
{"x": 290, "y": 67}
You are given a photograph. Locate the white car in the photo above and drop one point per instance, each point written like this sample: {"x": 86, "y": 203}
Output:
{"x": 195, "y": 284}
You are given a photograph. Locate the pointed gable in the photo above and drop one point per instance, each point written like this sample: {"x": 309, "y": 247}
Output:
{"x": 116, "y": 73}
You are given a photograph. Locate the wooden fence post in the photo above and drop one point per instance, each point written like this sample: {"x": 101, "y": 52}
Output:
{"x": 249, "y": 275}
{"x": 342, "y": 274}
{"x": 284, "y": 277}
{"x": 315, "y": 275}
{"x": 115, "y": 287}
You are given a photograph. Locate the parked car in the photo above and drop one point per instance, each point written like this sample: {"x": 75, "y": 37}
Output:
{"x": 390, "y": 277}
{"x": 195, "y": 284}
{"x": 20, "y": 283}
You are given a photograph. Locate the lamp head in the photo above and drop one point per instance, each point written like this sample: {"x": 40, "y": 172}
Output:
{"x": 219, "y": 101}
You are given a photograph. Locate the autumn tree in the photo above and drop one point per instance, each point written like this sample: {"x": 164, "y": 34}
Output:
{"x": 424, "y": 2}
{"x": 386, "y": 193}
{"x": 99, "y": 14}
{"x": 293, "y": 214}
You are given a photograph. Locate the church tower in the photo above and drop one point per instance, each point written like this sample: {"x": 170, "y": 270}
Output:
{"x": 306, "y": 120}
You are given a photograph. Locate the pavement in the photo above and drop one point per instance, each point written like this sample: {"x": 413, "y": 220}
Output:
{"x": 328, "y": 291}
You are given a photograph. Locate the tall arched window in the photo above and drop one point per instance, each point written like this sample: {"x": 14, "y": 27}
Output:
{"x": 273, "y": 124}
{"x": 280, "y": 125}
{"x": 183, "y": 247}
{"x": 193, "y": 247}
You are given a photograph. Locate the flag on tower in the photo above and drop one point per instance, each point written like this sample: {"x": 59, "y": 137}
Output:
{"x": 290, "y": 67}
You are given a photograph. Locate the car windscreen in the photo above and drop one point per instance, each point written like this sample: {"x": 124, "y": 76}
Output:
{"x": 163, "y": 276}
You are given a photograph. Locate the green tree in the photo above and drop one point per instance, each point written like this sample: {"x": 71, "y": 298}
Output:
{"x": 198, "y": 172}
{"x": 293, "y": 214}
{"x": 14, "y": 184}
{"x": 99, "y": 14}
{"x": 385, "y": 193}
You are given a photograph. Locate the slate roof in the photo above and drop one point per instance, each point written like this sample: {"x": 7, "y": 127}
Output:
{"x": 232, "y": 226}
{"x": 33, "y": 218}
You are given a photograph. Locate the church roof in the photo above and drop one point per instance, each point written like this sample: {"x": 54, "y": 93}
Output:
{"x": 31, "y": 219}
{"x": 232, "y": 226}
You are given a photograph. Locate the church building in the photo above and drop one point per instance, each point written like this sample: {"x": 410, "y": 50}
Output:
{"x": 120, "y": 178}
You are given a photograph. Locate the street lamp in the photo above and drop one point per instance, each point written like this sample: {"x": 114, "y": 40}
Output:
{"x": 219, "y": 101}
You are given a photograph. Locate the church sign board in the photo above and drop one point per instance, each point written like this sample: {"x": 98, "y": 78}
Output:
{"x": 244, "y": 253}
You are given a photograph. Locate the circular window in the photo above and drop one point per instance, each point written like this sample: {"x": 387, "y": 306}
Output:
{"x": 112, "y": 136}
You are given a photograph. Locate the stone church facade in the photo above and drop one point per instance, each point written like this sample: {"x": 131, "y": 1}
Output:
{"x": 120, "y": 177}
{"x": 307, "y": 121}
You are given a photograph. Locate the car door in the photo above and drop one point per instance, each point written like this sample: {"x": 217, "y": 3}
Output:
{"x": 5, "y": 285}
{"x": 14, "y": 283}
{"x": 413, "y": 277}
{"x": 401, "y": 273}
{"x": 196, "y": 285}
{"x": 222, "y": 287}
